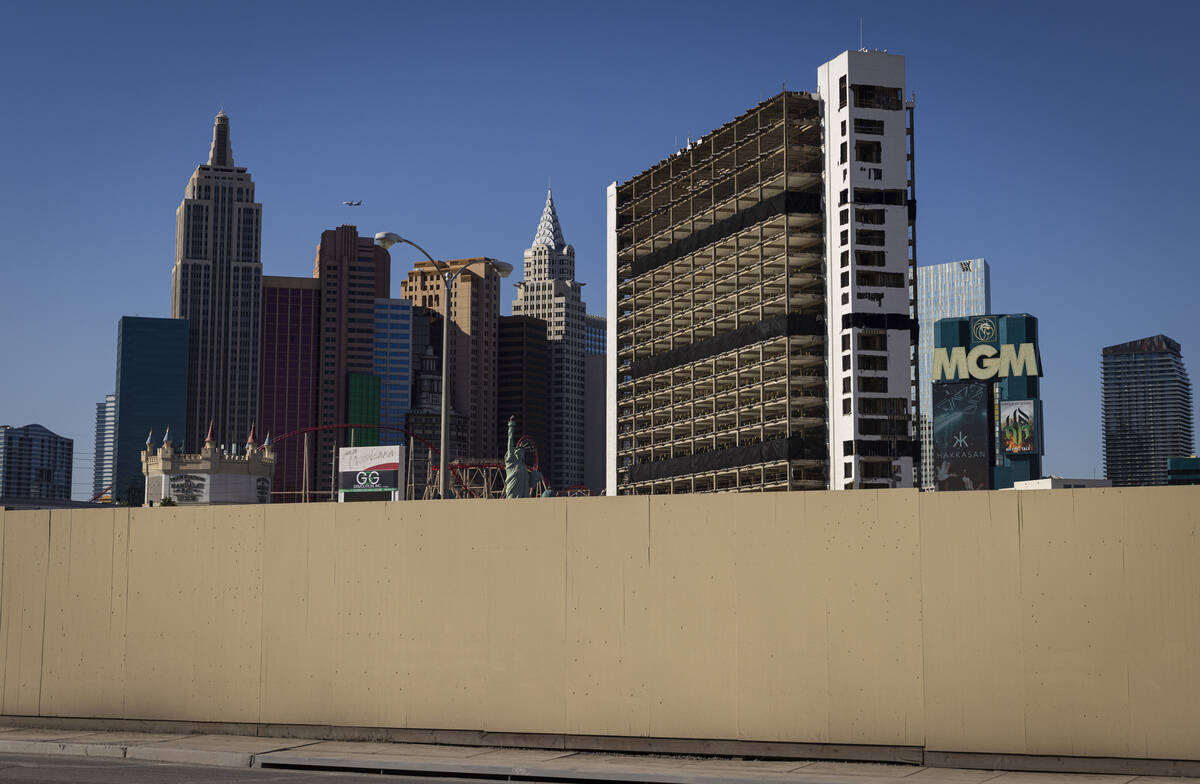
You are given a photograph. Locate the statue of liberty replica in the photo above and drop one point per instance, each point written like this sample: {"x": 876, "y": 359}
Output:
{"x": 519, "y": 479}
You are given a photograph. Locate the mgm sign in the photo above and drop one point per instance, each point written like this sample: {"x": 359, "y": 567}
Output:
{"x": 974, "y": 373}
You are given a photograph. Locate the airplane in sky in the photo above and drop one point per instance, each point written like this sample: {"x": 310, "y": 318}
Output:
{"x": 353, "y": 203}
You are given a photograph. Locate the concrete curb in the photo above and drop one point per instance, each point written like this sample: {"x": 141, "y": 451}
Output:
{"x": 588, "y": 772}
{"x": 61, "y": 747}
{"x": 224, "y": 759}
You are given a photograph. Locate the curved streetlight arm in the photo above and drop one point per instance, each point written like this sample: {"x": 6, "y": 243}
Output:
{"x": 387, "y": 239}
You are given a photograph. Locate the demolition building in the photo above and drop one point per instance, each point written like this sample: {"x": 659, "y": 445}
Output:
{"x": 761, "y": 280}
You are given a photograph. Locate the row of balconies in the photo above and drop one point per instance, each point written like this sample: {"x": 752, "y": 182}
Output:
{"x": 804, "y": 475}
{"x": 802, "y": 229}
{"x": 801, "y": 254}
{"x": 695, "y": 168}
{"x": 803, "y": 123}
{"x": 772, "y": 352}
{"x": 728, "y": 198}
{"x": 679, "y": 314}
{"x": 799, "y": 299}
{"x": 645, "y": 417}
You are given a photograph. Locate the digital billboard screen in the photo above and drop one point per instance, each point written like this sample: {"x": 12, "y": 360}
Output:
{"x": 1020, "y": 428}
{"x": 962, "y": 434}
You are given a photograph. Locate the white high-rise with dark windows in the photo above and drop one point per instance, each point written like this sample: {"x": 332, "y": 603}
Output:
{"x": 216, "y": 285}
{"x": 959, "y": 288}
{"x": 106, "y": 438}
{"x": 551, "y": 293}
{"x": 762, "y": 320}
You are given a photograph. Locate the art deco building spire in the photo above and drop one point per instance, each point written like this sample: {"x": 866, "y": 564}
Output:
{"x": 221, "y": 153}
{"x": 549, "y": 232}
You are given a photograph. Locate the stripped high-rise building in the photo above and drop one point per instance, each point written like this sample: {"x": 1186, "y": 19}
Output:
{"x": 550, "y": 292}
{"x": 762, "y": 314}
{"x": 215, "y": 285}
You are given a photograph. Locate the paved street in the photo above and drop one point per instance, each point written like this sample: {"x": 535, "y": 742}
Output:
{"x": 63, "y": 755}
{"x": 56, "y": 769}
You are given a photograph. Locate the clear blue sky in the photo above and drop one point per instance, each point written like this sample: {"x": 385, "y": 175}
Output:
{"x": 1054, "y": 139}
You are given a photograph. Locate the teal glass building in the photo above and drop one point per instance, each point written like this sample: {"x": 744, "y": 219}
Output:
{"x": 152, "y": 368}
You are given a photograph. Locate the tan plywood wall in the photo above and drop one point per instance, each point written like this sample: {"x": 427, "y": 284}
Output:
{"x": 1052, "y": 622}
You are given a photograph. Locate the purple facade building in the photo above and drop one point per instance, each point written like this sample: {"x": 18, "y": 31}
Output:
{"x": 287, "y": 391}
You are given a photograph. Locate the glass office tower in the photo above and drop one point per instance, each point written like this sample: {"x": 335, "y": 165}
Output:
{"x": 152, "y": 377}
{"x": 1147, "y": 410}
{"x": 959, "y": 288}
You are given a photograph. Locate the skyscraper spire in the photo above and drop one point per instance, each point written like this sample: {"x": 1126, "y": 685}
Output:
{"x": 221, "y": 153}
{"x": 549, "y": 232}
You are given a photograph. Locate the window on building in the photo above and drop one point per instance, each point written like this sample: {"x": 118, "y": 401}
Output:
{"x": 845, "y": 238}
{"x": 873, "y": 341}
{"x": 845, "y": 258}
{"x": 848, "y": 470}
{"x": 868, "y": 152}
{"x": 890, "y": 280}
{"x": 872, "y": 383}
{"x": 842, "y": 153}
{"x": 872, "y": 362}
{"x": 869, "y": 237}
{"x": 872, "y": 96}
{"x": 874, "y": 127}
{"x": 842, "y": 92}
{"x": 869, "y": 258}
{"x": 844, "y": 217}
{"x": 870, "y": 217}
{"x": 843, "y": 127}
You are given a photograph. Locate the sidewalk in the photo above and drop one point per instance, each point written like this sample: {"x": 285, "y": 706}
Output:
{"x": 505, "y": 763}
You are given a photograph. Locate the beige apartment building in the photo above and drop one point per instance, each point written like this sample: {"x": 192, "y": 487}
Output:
{"x": 474, "y": 316}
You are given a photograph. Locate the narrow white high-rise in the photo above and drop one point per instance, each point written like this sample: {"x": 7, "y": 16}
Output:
{"x": 870, "y": 260}
{"x": 550, "y": 292}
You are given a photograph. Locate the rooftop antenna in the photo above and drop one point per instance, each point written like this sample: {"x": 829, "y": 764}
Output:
{"x": 860, "y": 45}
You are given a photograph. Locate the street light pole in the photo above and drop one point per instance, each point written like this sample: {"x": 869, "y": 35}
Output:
{"x": 386, "y": 239}
{"x": 443, "y": 470}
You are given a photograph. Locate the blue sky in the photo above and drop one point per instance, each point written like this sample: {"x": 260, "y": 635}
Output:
{"x": 1057, "y": 143}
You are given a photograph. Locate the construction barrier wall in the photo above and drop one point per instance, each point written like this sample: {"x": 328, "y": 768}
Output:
{"x": 1061, "y": 622}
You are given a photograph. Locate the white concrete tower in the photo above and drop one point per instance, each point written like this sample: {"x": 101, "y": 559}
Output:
{"x": 870, "y": 257}
{"x": 550, "y": 292}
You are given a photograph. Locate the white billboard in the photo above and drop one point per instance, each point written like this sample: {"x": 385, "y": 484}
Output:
{"x": 371, "y": 469}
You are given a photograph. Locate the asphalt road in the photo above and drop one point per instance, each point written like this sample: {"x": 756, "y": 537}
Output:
{"x": 55, "y": 769}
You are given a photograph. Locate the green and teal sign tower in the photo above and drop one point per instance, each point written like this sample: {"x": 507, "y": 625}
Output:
{"x": 987, "y": 407}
